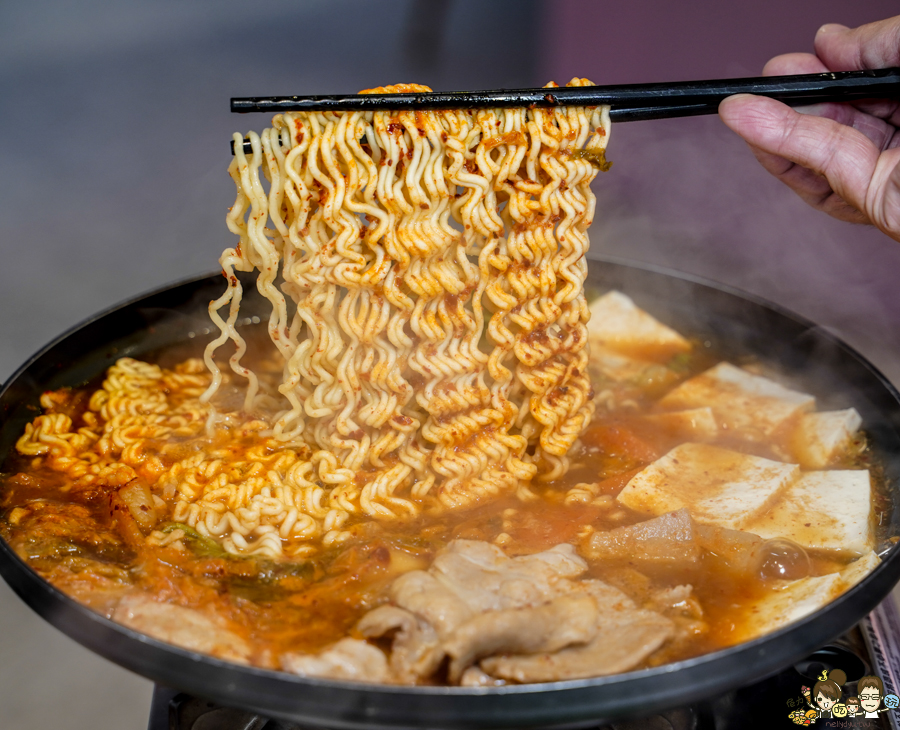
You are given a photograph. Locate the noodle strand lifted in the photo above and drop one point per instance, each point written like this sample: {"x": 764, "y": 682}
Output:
{"x": 425, "y": 276}
{"x": 430, "y": 312}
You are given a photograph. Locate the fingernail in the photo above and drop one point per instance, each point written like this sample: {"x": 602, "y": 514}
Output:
{"x": 812, "y": 109}
{"x": 832, "y": 28}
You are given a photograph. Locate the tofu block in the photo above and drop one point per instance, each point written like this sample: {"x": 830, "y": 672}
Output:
{"x": 718, "y": 486}
{"x": 695, "y": 423}
{"x": 821, "y": 437}
{"x": 750, "y": 405}
{"x": 823, "y": 510}
{"x": 646, "y": 375}
{"x": 799, "y": 598}
{"x": 619, "y": 324}
{"x": 796, "y": 600}
{"x": 859, "y": 569}
{"x": 616, "y": 366}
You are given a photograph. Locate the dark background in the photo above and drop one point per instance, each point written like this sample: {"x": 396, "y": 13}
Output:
{"x": 115, "y": 125}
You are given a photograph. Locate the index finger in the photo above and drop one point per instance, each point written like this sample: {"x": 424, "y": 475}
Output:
{"x": 845, "y": 157}
{"x": 871, "y": 46}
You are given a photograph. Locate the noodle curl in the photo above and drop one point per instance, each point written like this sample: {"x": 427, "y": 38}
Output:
{"x": 431, "y": 312}
{"x": 425, "y": 276}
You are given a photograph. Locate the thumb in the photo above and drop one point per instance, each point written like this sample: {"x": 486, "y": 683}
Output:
{"x": 871, "y": 46}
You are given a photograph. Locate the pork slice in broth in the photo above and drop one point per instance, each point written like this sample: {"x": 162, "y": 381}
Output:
{"x": 483, "y": 577}
{"x": 422, "y": 594}
{"x": 475, "y": 603}
{"x": 625, "y": 636}
{"x": 566, "y": 620}
{"x": 347, "y": 659}
{"x": 184, "y": 627}
{"x": 415, "y": 651}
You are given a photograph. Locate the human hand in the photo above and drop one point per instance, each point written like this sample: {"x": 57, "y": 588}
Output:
{"x": 842, "y": 159}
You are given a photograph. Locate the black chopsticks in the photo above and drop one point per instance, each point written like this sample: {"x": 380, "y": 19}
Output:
{"x": 806, "y": 89}
{"x": 628, "y": 103}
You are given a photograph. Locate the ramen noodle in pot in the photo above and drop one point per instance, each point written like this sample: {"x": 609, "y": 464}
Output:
{"x": 439, "y": 462}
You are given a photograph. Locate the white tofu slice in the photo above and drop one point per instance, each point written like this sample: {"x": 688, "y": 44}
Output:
{"x": 618, "y": 323}
{"x": 718, "y": 486}
{"x": 859, "y": 569}
{"x": 750, "y": 405}
{"x": 821, "y": 437}
{"x": 796, "y": 600}
{"x": 621, "y": 368}
{"x": 695, "y": 423}
{"x": 617, "y": 367}
{"x": 823, "y": 510}
{"x": 799, "y": 598}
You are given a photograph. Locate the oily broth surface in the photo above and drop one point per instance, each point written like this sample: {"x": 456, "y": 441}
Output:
{"x": 305, "y": 605}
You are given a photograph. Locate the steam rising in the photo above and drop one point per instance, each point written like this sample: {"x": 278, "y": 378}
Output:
{"x": 688, "y": 195}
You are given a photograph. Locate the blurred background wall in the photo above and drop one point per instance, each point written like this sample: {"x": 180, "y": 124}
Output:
{"x": 115, "y": 125}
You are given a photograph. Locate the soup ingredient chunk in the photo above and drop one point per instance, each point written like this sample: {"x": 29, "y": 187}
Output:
{"x": 697, "y": 424}
{"x": 619, "y": 324}
{"x": 181, "y": 626}
{"x": 668, "y": 539}
{"x": 474, "y": 601}
{"x": 720, "y": 487}
{"x": 491, "y": 617}
{"x": 626, "y": 635}
{"x": 347, "y": 659}
{"x": 628, "y": 369}
{"x": 750, "y": 406}
{"x": 827, "y": 510}
{"x": 820, "y": 438}
{"x": 795, "y": 599}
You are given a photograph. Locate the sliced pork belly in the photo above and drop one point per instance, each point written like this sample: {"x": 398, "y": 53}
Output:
{"x": 626, "y": 636}
{"x": 747, "y": 405}
{"x": 718, "y": 486}
{"x": 475, "y": 603}
{"x": 621, "y": 644}
{"x": 487, "y": 580}
{"x": 422, "y": 594}
{"x": 415, "y": 651}
{"x": 347, "y": 659}
{"x": 475, "y": 676}
{"x": 567, "y": 620}
{"x": 183, "y": 627}
{"x": 668, "y": 539}
{"x": 619, "y": 324}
